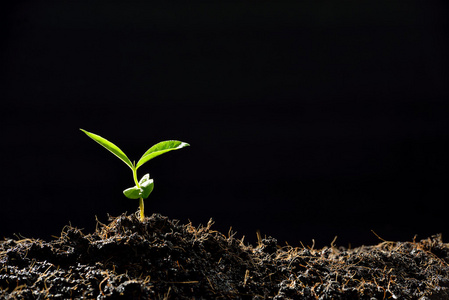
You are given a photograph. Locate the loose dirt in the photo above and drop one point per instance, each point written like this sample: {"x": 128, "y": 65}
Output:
{"x": 162, "y": 259}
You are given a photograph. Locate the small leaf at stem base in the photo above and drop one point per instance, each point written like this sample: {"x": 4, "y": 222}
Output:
{"x": 147, "y": 188}
{"x": 133, "y": 192}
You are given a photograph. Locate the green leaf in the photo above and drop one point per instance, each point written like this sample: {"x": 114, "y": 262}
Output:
{"x": 110, "y": 146}
{"x": 147, "y": 188}
{"x": 133, "y": 192}
{"x": 144, "y": 178}
{"x": 160, "y": 148}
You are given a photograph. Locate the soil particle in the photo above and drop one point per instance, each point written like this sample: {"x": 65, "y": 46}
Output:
{"x": 162, "y": 259}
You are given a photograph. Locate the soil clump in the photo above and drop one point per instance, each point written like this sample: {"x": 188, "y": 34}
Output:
{"x": 162, "y": 259}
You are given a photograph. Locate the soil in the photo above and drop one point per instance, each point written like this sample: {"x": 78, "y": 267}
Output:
{"x": 162, "y": 259}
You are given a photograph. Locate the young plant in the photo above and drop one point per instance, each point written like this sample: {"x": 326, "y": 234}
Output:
{"x": 144, "y": 186}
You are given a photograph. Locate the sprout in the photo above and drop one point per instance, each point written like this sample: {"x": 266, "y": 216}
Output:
{"x": 145, "y": 185}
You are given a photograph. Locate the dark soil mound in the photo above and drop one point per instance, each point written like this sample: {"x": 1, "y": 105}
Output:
{"x": 161, "y": 259}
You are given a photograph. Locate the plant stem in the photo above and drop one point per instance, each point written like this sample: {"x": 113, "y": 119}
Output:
{"x": 135, "y": 177}
{"x": 142, "y": 215}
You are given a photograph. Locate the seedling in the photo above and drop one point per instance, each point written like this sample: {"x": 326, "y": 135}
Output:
{"x": 145, "y": 185}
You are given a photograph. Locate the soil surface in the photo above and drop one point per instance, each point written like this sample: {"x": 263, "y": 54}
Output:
{"x": 162, "y": 259}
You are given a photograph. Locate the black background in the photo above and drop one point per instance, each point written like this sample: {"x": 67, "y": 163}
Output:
{"x": 306, "y": 120}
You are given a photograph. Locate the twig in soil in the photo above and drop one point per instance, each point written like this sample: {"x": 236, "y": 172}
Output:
{"x": 246, "y": 278}
{"x": 167, "y": 294}
{"x": 333, "y": 241}
{"x": 210, "y": 283}
{"x": 379, "y": 237}
{"x": 99, "y": 286}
